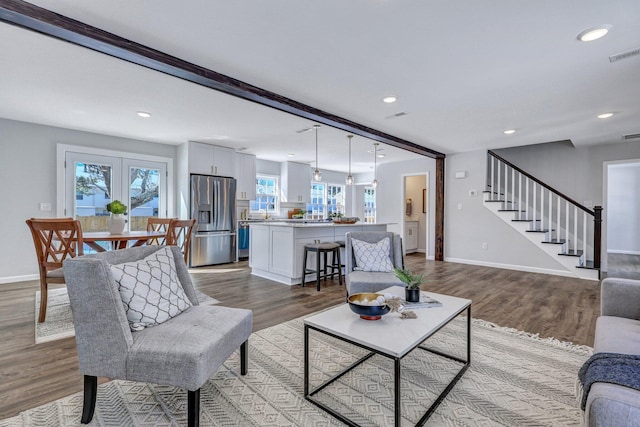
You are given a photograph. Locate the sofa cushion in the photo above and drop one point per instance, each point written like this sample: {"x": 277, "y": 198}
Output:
{"x": 617, "y": 335}
{"x": 372, "y": 256}
{"x": 150, "y": 289}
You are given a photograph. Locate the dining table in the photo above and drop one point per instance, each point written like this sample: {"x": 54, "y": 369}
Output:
{"x": 121, "y": 240}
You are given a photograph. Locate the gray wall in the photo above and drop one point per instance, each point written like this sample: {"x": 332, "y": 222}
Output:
{"x": 28, "y": 175}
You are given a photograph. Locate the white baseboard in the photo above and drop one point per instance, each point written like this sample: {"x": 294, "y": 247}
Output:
{"x": 25, "y": 278}
{"x": 511, "y": 267}
{"x": 622, "y": 252}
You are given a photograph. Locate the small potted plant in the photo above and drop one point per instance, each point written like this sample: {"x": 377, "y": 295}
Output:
{"x": 413, "y": 281}
{"x": 116, "y": 221}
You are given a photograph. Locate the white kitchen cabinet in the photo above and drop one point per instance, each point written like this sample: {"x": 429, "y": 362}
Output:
{"x": 281, "y": 249}
{"x": 211, "y": 160}
{"x": 295, "y": 182}
{"x": 246, "y": 176}
{"x": 259, "y": 244}
{"x": 410, "y": 236}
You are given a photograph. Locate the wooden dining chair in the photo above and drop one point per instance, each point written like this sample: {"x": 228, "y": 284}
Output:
{"x": 179, "y": 234}
{"x": 158, "y": 224}
{"x": 55, "y": 240}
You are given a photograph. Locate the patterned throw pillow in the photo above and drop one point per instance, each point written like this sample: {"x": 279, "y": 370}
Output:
{"x": 372, "y": 256}
{"x": 150, "y": 289}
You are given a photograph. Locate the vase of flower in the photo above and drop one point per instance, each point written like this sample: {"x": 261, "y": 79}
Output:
{"x": 117, "y": 220}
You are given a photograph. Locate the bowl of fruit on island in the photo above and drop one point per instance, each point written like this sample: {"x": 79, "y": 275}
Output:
{"x": 369, "y": 306}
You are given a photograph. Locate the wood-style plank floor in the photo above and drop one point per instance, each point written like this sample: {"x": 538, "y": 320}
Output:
{"x": 553, "y": 306}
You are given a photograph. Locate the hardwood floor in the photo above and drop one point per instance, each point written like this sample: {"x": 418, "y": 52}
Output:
{"x": 553, "y": 306}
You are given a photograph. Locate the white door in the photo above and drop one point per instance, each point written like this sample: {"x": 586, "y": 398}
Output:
{"x": 92, "y": 181}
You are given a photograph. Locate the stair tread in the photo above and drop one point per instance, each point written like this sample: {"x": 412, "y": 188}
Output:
{"x": 510, "y": 210}
{"x": 588, "y": 265}
{"x": 539, "y": 230}
{"x": 522, "y": 220}
{"x": 572, "y": 253}
{"x": 555, "y": 242}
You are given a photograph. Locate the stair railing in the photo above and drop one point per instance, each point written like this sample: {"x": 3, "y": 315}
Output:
{"x": 565, "y": 220}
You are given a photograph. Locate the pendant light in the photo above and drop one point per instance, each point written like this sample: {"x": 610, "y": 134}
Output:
{"x": 374, "y": 183}
{"x": 316, "y": 172}
{"x": 349, "y": 177}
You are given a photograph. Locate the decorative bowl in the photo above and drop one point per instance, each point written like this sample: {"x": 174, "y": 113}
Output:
{"x": 358, "y": 304}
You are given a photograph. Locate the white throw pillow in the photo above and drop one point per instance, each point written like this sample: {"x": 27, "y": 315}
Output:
{"x": 150, "y": 289}
{"x": 372, "y": 256}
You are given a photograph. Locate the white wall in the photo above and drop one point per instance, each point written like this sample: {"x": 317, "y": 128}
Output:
{"x": 623, "y": 208}
{"x": 28, "y": 177}
{"x": 468, "y": 224}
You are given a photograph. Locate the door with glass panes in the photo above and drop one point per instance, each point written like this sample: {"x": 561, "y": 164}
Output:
{"x": 93, "y": 181}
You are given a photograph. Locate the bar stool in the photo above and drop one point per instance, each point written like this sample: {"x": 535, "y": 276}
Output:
{"x": 342, "y": 247}
{"x": 324, "y": 249}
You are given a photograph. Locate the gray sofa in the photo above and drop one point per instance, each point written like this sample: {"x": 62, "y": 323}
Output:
{"x": 617, "y": 331}
{"x": 372, "y": 281}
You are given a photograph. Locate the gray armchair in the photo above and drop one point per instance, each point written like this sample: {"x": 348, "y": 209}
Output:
{"x": 184, "y": 351}
{"x": 372, "y": 281}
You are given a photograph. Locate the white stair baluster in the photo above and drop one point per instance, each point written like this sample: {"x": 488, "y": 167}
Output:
{"x": 519, "y": 196}
{"x": 550, "y": 215}
{"x": 534, "y": 207}
{"x": 566, "y": 226}
{"x": 493, "y": 178}
{"x": 526, "y": 203}
{"x": 584, "y": 237}
{"x": 575, "y": 228}
{"x": 513, "y": 188}
{"x": 559, "y": 202}
{"x": 499, "y": 197}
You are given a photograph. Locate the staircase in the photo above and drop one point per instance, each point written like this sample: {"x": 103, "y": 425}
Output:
{"x": 561, "y": 227}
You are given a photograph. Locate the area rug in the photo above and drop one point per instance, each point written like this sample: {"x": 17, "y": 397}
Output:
{"x": 515, "y": 379}
{"x": 58, "y": 323}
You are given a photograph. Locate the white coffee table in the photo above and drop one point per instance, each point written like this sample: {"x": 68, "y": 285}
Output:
{"x": 390, "y": 336}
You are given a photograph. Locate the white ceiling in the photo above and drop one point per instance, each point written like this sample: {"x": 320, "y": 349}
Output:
{"x": 463, "y": 71}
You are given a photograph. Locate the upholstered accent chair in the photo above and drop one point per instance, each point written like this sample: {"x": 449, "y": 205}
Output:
{"x": 358, "y": 280}
{"x": 184, "y": 351}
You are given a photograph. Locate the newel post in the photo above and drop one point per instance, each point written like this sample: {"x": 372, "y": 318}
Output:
{"x": 597, "y": 236}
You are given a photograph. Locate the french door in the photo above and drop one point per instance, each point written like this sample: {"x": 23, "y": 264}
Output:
{"x": 92, "y": 181}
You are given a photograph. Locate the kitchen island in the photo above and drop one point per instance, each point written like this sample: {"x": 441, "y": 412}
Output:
{"x": 276, "y": 247}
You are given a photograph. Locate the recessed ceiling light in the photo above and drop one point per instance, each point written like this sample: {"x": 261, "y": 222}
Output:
{"x": 389, "y": 99}
{"x": 594, "y": 33}
{"x": 143, "y": 114}
{"x": 380, "y": 155}
{"x": 605, "y": 115}
{"x": 290, "y": 155}
{"x": 509, "y": 131}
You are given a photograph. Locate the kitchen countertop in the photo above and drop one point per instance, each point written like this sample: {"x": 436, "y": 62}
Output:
{"x": 311, "y": 223}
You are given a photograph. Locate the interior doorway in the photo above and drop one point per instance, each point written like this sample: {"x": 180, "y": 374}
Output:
{"x": 622, "y": 219}
{"x": 415, "y": 214}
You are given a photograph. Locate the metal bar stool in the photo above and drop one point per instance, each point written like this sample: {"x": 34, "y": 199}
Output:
{"x": 324, "y": 249}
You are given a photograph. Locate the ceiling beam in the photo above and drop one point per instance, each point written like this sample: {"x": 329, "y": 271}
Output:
{"x": 43, "y": 21}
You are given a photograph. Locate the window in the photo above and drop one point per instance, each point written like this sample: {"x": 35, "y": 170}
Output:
{"x": 267, "y": 195}
{"x": 326, "y": 199}
{"x": 369, "y": 204}
{"x": 93, "y": 177}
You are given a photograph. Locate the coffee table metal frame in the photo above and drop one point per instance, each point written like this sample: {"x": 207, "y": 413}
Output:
{"x": 308, "y": 394}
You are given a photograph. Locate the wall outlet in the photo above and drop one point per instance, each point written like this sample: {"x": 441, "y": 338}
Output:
{"x": 473, "y": 193}
{"x": 45, "y": 207}
{"x": 485, "y": 245}
{"x": 459, "y": 206}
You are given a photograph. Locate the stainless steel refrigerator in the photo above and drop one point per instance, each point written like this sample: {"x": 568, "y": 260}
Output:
{"x": 213, "y": 201}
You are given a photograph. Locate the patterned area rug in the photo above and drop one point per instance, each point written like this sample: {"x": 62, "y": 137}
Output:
{"x": 59, "y": 321}
{"x": 515, "y": 379}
